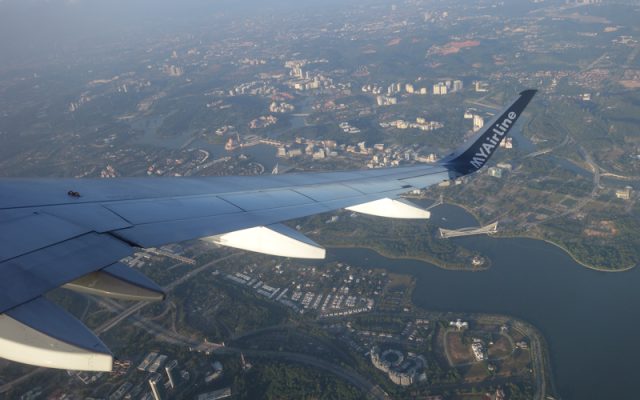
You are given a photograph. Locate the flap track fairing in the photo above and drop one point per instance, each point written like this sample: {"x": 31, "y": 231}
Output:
{"x": 276, "y": 239}
{"x": 391, "y": 208}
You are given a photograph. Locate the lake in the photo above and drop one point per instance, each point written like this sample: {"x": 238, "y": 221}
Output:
{"x": 587, "y": 317}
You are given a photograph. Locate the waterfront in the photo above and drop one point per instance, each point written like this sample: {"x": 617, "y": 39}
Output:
{"x": 586, "y": 316}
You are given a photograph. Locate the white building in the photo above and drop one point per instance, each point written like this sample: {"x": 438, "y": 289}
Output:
{"x": 478, "y": 122}
{"x": 459, "y": 324}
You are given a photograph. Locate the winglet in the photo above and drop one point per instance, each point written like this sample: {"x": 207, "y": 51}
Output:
{"x": 475, "y": 153}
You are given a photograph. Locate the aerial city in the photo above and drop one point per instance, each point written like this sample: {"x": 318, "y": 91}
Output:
{"x": 507, "y": 278}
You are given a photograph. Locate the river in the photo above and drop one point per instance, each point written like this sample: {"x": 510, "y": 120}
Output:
{"x": 586, "y": 316}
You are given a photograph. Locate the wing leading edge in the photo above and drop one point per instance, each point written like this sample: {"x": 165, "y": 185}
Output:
{"x": 72, "y": 233}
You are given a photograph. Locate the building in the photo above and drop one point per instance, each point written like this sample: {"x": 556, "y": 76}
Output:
{"x": 459, "y": 324}
{"x": 478, "y": 122}
{"x": 440, "y": 88}
{"x": 386, "y": 100}
{"x": 173, "y": 70}
{"x": 245, "y": 364}
{"x": 409, "y": 88}
{"x": 481, "y": 86}
{"x": 170, "y": 373}
{"x": 216, "y": 394}
{"x": 457, "y": 85}
{"x": 477, "y": 347}
{"x": 507, "y": 143}
{"x": 217, "y": 366}
{"x": 294, "y": 153}
{"x": 158, "y": 363}
{"x": 319, "y": 154}
{"x": 401, "y": 378}
{"x": 624, "y": 194}
{"x": 495, "y": 172}
{"x": 155, "y": 381}
{"x": 403, "y": 370}
{"x": 148, "y": 360}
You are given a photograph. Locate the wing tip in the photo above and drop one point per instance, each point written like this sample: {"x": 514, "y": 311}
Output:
{"x": 529, "y": 91}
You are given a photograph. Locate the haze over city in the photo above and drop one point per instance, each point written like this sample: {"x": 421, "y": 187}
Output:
{"x": 517, "y": 281}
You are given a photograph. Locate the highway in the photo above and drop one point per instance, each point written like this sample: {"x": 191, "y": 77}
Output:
{"x": 138, "y": 306}
{"x": 372, "y": 391}
{"x": 595, "y": 170}
{"x": 549, "y": 149}
{"x": 161, "y": 333}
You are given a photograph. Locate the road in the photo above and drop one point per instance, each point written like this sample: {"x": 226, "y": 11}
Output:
{"x": 537, "y": 360}
{"x": 584, "y": 201}
{"x": 161, "y": 332}
{"x": 124, "y": 314}
{"x": 165, "y": 335}
{"x": 372, "y": 391}
{"x": 481, "y": 103}
{"x": 549, "y": 149}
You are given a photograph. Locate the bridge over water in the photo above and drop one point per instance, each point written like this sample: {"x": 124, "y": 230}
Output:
{"x": 487, "y": 229}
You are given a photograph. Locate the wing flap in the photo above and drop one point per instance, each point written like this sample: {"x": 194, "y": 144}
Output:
{"x": 161, "y": 233}
{"x": 426, "y": 180}
{"x": 158, "y": 210}
{"x": 272, "y": 211}
{"x": 328, "y": 192}
{"x": 120, "y": 282}
{"x": 266, "y": 199}
{"x": 41, "y": 333}
{"x": 22, "y": 232}
{"x": 30, "y": 275}
{"x": 94, "y": 217}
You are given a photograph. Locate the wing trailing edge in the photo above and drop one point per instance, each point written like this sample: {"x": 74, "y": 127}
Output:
{"x": 41, "y": 333}
{"x": 119, "y": 282}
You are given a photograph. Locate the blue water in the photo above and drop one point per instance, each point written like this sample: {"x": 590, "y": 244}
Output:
{"x": 588, "y": 318}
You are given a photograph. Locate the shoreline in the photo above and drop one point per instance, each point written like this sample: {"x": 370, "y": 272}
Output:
{"x": 561, "y": 247}
{"x": 437, "y": 263}
{"x": 558, "y": 245}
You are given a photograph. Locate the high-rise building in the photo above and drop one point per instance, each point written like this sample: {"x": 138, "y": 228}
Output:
{"x": 481, "y": 86}
{"x": 478, "y": 122}
{"x": 245, "y": 365}
{"x": 170, "y": 374}
{"x": 155, "y": 380}
{"x": 440, "y": 88}
{"x": 173, "y": 70}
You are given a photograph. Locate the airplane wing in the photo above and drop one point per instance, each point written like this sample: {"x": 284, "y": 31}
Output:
{"x": 73, "y": 232}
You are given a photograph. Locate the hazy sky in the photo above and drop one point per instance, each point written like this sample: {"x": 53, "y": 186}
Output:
{"x": 32, "y": 29}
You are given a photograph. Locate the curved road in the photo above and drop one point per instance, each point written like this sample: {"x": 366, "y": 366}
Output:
{"x": 372, "y": 391}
